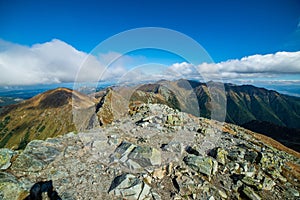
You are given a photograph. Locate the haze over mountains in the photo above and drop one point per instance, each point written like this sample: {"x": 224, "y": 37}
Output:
{"x": 51, "y": 113}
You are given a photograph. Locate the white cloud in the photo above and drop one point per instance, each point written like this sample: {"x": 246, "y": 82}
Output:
{"x": 57, "y": 61}
{"x": 52, "y": 62}
{"x": 270, "y": 65}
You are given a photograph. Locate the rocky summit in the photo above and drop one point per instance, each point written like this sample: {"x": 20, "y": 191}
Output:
{"x": 155, "y": 152}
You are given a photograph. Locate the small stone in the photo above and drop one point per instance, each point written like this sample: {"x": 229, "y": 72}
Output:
{"x": 252, "y": 182}
{"x": 276, "y": 175}
{"x": 236, "y": 166}
{"x": 236, "y": 154}
{"x": 222, "y": 194}
{"x": 148, "y": 179}
{"x": 237, "y": 186}
{"x": 294, "y": 192}
{"x": 144, "y": 124}
{"x": 211, "y": 198}
{"x": 155, "y": 196}
{"x": 158, "y": 173}
{"x": 173, "y": 120}
{"x": 113, "y": 140}
{"x": 200, "y": 164}
{"x": 268, "y": 184}
{"x": 122, "y": 151}
{"x": 215, "y": 167}
{"x": 169, "y": 169}
{"x": 251, "y": 156}
{"x": 145, "y": 156}
{"x": 219, "y": 154}
{"x": 173, "y": 147}
{"x": 5, "y": 156}
{"x": 251, "y": 194}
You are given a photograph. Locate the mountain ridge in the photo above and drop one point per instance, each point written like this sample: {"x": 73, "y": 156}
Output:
{"x": 244, "y": 104}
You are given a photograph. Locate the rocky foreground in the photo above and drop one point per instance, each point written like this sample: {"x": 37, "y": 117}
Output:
{"x": 155, "y": 153}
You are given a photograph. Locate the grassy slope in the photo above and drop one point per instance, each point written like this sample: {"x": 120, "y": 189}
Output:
{"x": 45, "y": 115}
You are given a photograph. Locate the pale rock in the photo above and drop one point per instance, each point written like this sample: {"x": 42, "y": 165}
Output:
{"x": 5, "y": 156}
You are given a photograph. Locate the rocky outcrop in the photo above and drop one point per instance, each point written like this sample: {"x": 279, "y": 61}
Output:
{"x": 111, "y": 107}
{"x": 131, "y": 159}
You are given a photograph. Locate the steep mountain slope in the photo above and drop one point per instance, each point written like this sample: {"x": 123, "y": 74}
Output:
{"x": 246, "y": 103}
{"x": 289, "y": 137}
{"x": 46, "y": 115}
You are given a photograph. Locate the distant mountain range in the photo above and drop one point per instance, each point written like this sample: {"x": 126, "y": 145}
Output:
{"x": 50, "y": 113}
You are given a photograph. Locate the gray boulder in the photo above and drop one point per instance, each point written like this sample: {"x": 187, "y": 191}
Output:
{"x": 37, "y": 155}
{"x": 136, "y": 157}
{"x": 145, "y": 156}
{"x": 200, "y": 164}
{"x": 9, "y": 187}
{"x": 129, "y": 187}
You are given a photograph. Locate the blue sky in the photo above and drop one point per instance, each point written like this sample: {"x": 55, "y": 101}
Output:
{"x": 226, "y": 29}
{"x": 46, "y": 41}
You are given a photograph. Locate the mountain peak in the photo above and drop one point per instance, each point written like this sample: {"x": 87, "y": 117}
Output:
{"x": 55, "y": 98}
{"x": 46, "y": 115}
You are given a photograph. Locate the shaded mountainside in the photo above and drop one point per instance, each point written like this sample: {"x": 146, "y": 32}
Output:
{"x": 155, "y": 153}
{"x": 287, "y": 136}
{"x": 46, "y": 115}
{"x": 246, "y": 103}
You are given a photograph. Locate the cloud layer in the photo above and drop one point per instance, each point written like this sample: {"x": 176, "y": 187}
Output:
{"x": 57, "y": 61}
{"x": 264, "y": 66}
{"x": 53, "y": 62}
